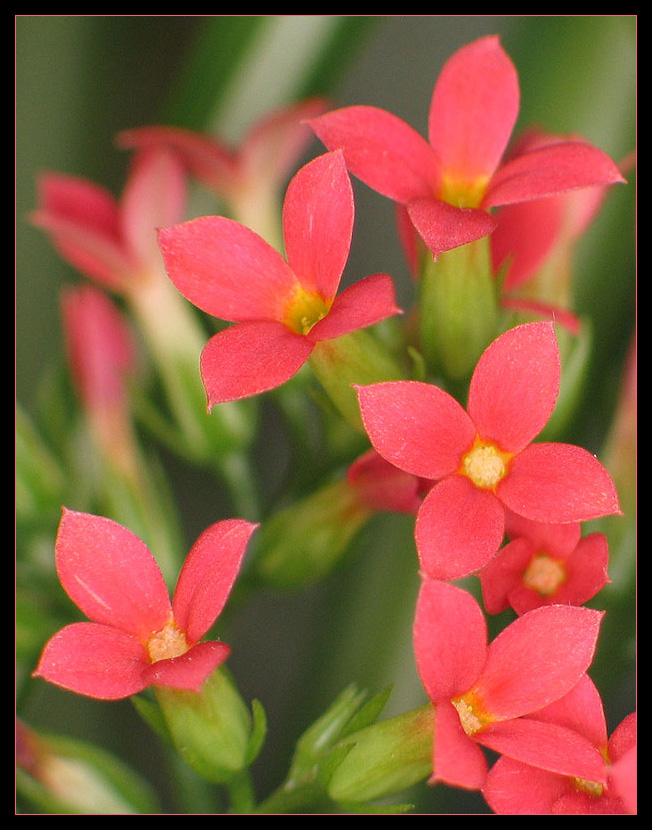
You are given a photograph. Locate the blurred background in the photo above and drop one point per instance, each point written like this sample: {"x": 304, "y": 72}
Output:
{"x": 82, "y": 79}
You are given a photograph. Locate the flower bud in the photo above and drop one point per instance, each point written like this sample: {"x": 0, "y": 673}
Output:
{"x": 63, "y": 775}
{"x": 212, "y": 729}
{"x": 385, "y": 758}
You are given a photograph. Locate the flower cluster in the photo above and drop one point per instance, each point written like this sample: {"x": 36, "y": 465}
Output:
{"x": 456, "y": 432}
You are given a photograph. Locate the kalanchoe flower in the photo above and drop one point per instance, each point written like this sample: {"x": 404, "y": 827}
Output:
{"x": 516, "y": 788}
{"x": 136, "y": 637}
{"x": 544, "y": 564}
{"x": 484, "y": 458}
{"x": 247, "y": 177}
{"x": 449, "y": 183}
{"x": 282, "y": 308}
{"x": 113, "y": 241}
{"x": 481, "y": 692}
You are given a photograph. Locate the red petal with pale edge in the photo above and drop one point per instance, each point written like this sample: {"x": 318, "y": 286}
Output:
{"x": 580, "y": 710}
{"x": 110, "y": 574}
{"x": 457, "y": 760}
{"x": 190, "y": 670}
{"x": 444, "y": 227}
{"x": 549, "y": 171}
{"x": 250, "y": 358}
{"x": 547, "y": 746}
{"x": 537, "y": 659}
{"x": 208, "y": 575}
{"x": 381, "y": 150}
{"x": 362, "y": 304}
{"x": 450, "y": 639}
{"x": 318, "y": 223}
{"x": 458, "y": 529}
{"x": 473, "y": 110}
{"x": 553, "y": 482}
{"x": 515, "y": 385}
{"x": 416, "y": 426}
{"x": 226, "y": 269}
{"x": 94, "y": 660}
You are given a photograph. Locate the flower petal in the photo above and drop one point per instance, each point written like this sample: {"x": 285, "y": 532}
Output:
{"x": 553, "y": 482}
{"x": 547, "y": 746}
{"x": 154, "y": 197}
{"x": 362, "y": 304}
{"x": 516, "y": 789}
{"x": 580, "y": 710}
{"x": 549, "y": 171}
{"x": 450, "y": 639}
{"x": 473, "y": 110}
{"x": 208, "y": 574}
{"x": 416, "y": 426}
{"x": 530, "y": 665}
{"x": 458, "y": 529}
{"x": 84, "y": 224}
{"x": 226, "y": 269}
{"x": 503, "y": 574}
{"x": 250, "y": 358}
{"x": 190, "y": 670}
{"x": 110, "y": 574}
{"x": 458, "y": 761}
{"x": 318, "y": 223}
{"x": 444, "y": 227}
{"x": 381, "y": 150}
{"x": 515, "y": 385}
{"x": 94, "y": 660}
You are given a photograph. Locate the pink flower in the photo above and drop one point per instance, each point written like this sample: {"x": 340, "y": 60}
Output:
{"x": 516, "y": 788}
{"x": 449, "y": 183}
{"x": 380, "y": 486}
{"x": 482, "y": 692}
{"x": 483, "y": 459}
{"x": 282, "y": 308}
{"x": 136, "y": 637}
{"x": 111, "y": 241}
{"x": 544, "y": 564}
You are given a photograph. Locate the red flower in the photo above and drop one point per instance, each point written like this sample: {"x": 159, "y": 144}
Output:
{"x": 137, "y": 638}
{"x": 544, "y": 564}
{"x": 483, "y": 459}
{"x": 282, "y": 308}
{"x": 482, "y": 692}
{"x": 111, "y": 241}
{"x": 516, "y": 788}
{"x": 449, "y": 183}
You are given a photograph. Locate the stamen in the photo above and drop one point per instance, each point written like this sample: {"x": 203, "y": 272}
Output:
{"x": 169, "y": 642}
{"x": 470, "y": 717}
{"x": 305, "y": 310}
{"x": 485, "y": 465}
{"x": 544, "y": 575}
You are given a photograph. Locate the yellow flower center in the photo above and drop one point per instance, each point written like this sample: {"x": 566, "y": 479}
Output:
{"x": 169, "y": 642}
{"x": 472, "y": 717}
{"x": 304, "y": 310}
{"x": 485, "y": 464}
{"x": 590, "y": 787}
{"x": 544, "y": 574}
{"x": 461, "y": 192}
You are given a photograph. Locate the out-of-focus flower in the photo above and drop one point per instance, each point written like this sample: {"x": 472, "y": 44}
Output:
{"x": 484, "y": 459}
{"x": 137, "y": 638}
{"x": 282, "y": 308}
{"x": 449, "y": 183}
{"x": 101, "y": 356}
{"x": 248, "y": 177}
{"x": 544, "y": 564}
{"x": 516, "y": 788}
{"x": 481, "y": 692}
